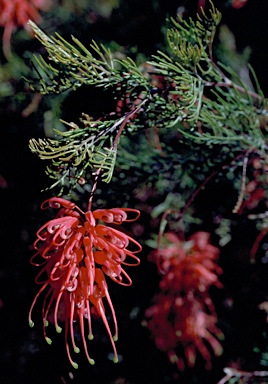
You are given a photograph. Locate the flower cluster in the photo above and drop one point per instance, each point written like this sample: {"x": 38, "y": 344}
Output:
{"x": 77, "y": 250}
{"x": 182, "y": 318}
{"x": 16, "y": 13}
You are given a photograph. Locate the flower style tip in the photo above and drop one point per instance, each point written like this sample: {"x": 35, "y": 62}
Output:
{"x": 48, "y": 340}
{"x": 58, "y": 329}
{"x": 77, "y": 251}
{"x": 31, "y": 323}
{"x": 115, "y": 359}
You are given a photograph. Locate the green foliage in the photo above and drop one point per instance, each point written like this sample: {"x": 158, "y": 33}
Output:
{"x": 79, "y": 148}
{"x": 185, "y": 92}
{"x": 191, "y": 40}
{"x": 70, "y": 66}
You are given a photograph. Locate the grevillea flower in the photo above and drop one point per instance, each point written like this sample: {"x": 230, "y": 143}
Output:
{"x": 182, "y": 318}
{"x": 77, "y": 250}
{"x": 16, "y": 13}
{"x": 238, "y": 3}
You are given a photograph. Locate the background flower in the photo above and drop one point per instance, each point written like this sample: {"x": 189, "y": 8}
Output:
{"x": 17, "y": 13}
{"x": 182, "y": 319}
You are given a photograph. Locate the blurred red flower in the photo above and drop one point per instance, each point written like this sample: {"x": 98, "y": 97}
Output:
{"x": 182, "y": 318}
{"x": 16, "y": 13}
{"x": 238, "y": 3}
{"x": 70, "y": 246}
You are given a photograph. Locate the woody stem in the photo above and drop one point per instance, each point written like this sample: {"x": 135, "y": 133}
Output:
{"x": 115, "y": 143}
{"x": 122, "y": 126}
{"x": 93, "y": 189}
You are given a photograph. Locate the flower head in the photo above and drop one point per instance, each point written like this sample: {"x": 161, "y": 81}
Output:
{"x": 77, "y": 250}
{"x": 183, "y": 316}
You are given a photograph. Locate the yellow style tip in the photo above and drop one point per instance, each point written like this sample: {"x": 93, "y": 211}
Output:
{"x": 75, "y": 365}
{"x": 115, "y": 359}
{"x": 48, "y": 340}
{"x": 45, "y": 322}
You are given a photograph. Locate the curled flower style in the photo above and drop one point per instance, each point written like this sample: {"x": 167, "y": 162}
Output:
{"x": 182, "y": 319}
{"x": 77, "y": 250}
{"x": 16, "y": 13}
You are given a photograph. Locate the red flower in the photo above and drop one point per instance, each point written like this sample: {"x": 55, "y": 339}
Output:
{"x": 183, "y": 315}
{"x": 71, "y": 246}
{"x": 16, "y": 13}
{"x": 238, "y": 3}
